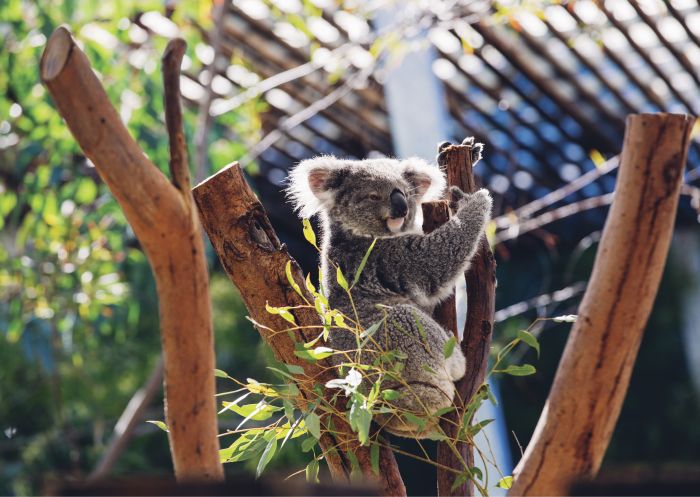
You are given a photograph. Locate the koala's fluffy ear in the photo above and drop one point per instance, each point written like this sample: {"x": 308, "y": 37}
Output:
{"x": 308, "y": 182}
{"x": 428, "y": 180}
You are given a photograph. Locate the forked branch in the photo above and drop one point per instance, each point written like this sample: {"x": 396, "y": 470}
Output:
{"x": 255, "y": 261}
{"x": 169, "y": 232}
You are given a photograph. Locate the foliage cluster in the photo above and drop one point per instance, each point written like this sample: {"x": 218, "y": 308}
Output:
{"x": 368, "y": 378}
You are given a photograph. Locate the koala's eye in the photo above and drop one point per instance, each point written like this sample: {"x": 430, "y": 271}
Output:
{"x": 374, "y": 196}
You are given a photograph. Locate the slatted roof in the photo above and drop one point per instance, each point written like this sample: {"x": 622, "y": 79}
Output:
{"x": 546, "y": 90}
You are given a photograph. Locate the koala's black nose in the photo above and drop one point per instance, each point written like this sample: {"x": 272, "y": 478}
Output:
{"x": 399, "y": 206}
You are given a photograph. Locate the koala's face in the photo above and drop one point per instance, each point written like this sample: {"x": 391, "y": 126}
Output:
{"x": 372, "y": 206}
{"x": 377, "y": 197}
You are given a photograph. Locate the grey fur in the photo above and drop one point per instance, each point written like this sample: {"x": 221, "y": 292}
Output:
{"x": 407, "y": 272}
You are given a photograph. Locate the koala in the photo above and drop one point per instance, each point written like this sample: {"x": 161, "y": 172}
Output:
{"x": 407, "y": 272}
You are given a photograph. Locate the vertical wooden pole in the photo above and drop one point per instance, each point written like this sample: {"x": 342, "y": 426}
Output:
{"x": 584, "y": 403}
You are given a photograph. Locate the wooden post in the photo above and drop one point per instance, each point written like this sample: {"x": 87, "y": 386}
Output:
{"x": 165, "y": 221}
{"x": 476, "y": 341}
{"x": 255, "y": 261}
{"x": 584, "y": 403}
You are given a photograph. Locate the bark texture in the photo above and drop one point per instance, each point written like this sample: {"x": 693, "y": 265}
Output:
{"x": 592, "y": 379}
{"x": 255, "y": 261}
{"x": 476, "y": 340}
{"x": 166, "y": 223}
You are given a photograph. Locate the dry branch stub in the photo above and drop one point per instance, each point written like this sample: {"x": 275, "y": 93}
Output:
{"x": 476, "y": 340}
{"x": 584, "y": 403}
{"x": 255, "y": 261}
{"x": 169, "y": 231}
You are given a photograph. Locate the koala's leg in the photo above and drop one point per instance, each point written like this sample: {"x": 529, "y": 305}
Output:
{"x": 426, "y": 381}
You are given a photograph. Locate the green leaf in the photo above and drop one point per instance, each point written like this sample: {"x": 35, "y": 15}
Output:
{"x": 363, "y": 263}
{"x": 314, "y": 354}
{"x": 360, "y": 419}
{"x": 309, "y": 232}
{"x": 313, "y": 424}
{"x": 159, "y": 424}
{"x": 290, "y": 278}
{"x": 374, "y": 458}
{"x": 438, "y": 437}
{"x": 529, "y": 339}
{"x": 309, "y": 286}
{"x": 257, "y": 412}
{"x": 288, "y": 410}
{"x": 474, "y": 429}
{"x": 449, "y": 347}
{"x": 247, "y": 446}
{"x": 294, "y": 369}
{"x": 390, "y": 394}
{"x": 283, "y": 312}
{"x": 308, "y": 443}
{"x": 524, "y": 370}
{"x": 355, "y": 470}
{"x": 461, "y": 479}
{"x": 283, "y": 374}
{"x": 413, "y": 419}
{"x": 443, "y": 411}
{"x": 476, "y": 472}
{"x": 312, "y": 471}
{"x": 505, "y": 482}
{"x": 289, "y": 432}
{"x": 491, "y": 396}
{"x": 266, "y": 456}
{"x": 220, "y": 374}
{"x": 342, "y": 282}
{"x": 428, "y": 369}
{"x": 366, "y": 335}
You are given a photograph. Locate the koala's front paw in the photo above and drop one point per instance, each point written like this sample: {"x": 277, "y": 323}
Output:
{"x": 479, "y": 201}
{"x": 457, "y": 195}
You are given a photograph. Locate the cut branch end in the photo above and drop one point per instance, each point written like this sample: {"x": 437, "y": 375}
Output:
{"x": 56, "y": 54}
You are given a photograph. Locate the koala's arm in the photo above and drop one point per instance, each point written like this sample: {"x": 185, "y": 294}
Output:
{"x": 430, "y": 263}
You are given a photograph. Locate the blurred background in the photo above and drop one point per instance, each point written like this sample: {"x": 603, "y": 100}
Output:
{"x": 546, "y": 85}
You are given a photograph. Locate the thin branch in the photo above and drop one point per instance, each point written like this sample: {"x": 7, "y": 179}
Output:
{"x": 516, "y": 230}
{"x": 129, "y": 419}
{"x": 179, "y": 167}
{"x": 541, "y": 300}
{"x": 527, "y": 210}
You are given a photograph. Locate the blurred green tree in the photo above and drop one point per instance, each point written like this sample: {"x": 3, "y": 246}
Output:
{"x": 78, "y": 313}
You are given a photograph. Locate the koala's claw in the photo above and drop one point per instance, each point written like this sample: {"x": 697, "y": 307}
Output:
{"x": 456, "y": 194}
{"x": 480, "y": 200}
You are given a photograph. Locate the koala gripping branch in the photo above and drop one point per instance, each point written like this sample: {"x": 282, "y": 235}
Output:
{"x": 476, "y": 341}
{"x": 591, "y": 382}
{"x": 255, "y": 261}
{"x": 165, "y": 221}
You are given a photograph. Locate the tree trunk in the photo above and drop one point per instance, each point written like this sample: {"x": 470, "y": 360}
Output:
{"x": 590, "y": 385}
{"x": 255, "y": 260}
{"x": 476, "y": 341}
{"x": 166, "y": 223}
